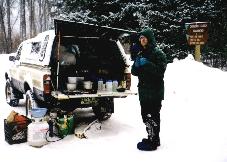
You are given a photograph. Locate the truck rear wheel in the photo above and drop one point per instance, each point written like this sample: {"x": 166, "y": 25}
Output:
{"x": 10, "y": 97}
{"x": 104, "y": 109}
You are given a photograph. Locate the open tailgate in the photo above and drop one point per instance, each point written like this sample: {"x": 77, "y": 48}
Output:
{"x": 79, "y": 29}
{"x": 61, "y": 96}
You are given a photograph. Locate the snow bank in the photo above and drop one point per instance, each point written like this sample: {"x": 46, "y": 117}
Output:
{"x": 193, "y": 123}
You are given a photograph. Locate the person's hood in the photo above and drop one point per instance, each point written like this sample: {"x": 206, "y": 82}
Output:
{"x": 149, "y": 34}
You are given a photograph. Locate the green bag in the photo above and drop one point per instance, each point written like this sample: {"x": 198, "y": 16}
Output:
{"x": 65, "y": 125}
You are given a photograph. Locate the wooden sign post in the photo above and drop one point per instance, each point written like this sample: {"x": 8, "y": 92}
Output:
{"x": 197, "y": 34}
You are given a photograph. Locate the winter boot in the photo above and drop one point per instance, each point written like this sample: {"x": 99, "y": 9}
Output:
{"x": 156, "y": 140}
{"x": 147, "y": 145}
{"x": 153, "y": 129}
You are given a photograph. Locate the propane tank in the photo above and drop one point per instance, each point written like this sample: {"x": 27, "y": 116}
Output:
{"x": 37, "y": 131}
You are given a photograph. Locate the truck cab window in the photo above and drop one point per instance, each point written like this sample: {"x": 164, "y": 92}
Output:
{"x": 18, "y": 53}
{"x": 36, "y": 46}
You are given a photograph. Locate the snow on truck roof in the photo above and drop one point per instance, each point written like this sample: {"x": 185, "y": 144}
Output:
{"x": 40, "y": 36}
{"x": 40, "y": 53}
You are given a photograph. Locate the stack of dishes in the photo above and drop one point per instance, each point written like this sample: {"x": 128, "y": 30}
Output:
{"x": 73, "y": 82}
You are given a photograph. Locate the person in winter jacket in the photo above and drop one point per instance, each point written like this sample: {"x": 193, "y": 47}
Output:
{"x": 149, "y": 66}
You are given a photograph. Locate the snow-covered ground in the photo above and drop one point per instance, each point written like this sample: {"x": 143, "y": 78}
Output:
{"x": 193, "y": 123}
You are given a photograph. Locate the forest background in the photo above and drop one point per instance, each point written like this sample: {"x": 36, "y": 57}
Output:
{"x": 23, "y": 19}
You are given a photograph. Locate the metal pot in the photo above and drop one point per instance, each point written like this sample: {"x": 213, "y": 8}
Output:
{"x": 87, "y": 84}
{"x": 71, "y": 86}
{"x": 75, "y": 79}
{"x": 72, "y": 80}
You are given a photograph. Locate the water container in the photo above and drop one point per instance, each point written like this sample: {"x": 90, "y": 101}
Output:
{"x": 103, "y": 87}
{"x": 115, "y": 85}
{"x": 109, "y": 85}
{"x": 100, "y": 85}
{"x": 37, "y": 132}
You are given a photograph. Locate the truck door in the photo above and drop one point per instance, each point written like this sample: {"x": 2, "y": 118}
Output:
{"x": 14, "y": 70}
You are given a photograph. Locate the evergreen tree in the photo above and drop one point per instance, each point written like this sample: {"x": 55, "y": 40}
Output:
{"x": 166, "y": 17}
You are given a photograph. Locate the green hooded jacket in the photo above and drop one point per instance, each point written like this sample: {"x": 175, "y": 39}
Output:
{"x": 150, "y": 75}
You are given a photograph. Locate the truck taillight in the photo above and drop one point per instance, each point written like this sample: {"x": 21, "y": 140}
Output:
{"x": 46, "y": 84}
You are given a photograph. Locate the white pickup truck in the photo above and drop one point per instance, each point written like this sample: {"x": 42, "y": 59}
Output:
{"x": 87, "y": 53}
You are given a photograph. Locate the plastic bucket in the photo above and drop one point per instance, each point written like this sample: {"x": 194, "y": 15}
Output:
{"x": 38, "y": 112}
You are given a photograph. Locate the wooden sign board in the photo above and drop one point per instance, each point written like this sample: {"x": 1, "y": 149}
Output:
{"x": 197, "y": 33}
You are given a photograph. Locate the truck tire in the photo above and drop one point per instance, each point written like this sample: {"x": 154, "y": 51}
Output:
{"x": 104, "y": 109}
{"x": 10, "y": 97}
{"x": 30, "y": 102}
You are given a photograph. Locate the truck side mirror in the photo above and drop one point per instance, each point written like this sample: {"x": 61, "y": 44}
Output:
{"x": 12, "y": 58}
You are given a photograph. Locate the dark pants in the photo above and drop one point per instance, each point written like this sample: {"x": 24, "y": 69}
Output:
{"x": 150, "y": 111}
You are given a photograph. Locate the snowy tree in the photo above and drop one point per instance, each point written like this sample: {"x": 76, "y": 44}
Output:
{"x": 9, "y": 36}
{"x": 3, "y": 30}
{"x": 167, "y": 17}
{"x": 22, "y": 20}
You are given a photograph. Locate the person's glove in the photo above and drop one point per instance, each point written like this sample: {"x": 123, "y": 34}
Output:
{"x": 143, "y": 61}
{"x": 140, "y": 61}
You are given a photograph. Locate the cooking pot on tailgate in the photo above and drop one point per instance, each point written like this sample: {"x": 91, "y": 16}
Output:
{"x": 71, "y": 86}
{"x": 75, "y": 79}
{"x": 87, "y": 84}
